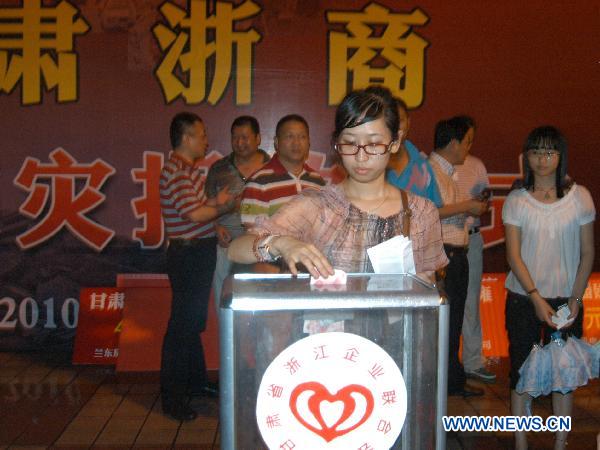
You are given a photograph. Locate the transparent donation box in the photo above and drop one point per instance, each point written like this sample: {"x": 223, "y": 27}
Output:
{"x": 356, "y": 366}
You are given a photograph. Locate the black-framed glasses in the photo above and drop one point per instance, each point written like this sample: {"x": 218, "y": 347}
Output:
{"x": 375, "y": 149}
{"x": 542, "y": 153}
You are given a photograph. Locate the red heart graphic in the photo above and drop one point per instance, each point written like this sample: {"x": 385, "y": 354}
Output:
{"x": 321, "y": 394}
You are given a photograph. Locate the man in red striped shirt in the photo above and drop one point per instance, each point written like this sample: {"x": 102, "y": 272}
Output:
{"x": 191, "y": 258}
{"x": 285, "y": 176}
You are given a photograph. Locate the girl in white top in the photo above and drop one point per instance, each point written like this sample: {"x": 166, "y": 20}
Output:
{"x": 550, "y": 249}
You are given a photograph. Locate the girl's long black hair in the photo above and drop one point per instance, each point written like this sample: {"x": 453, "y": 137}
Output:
{"x": 547, "y": 138}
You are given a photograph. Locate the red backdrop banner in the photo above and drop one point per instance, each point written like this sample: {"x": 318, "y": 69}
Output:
{"x": 87, "y": 91}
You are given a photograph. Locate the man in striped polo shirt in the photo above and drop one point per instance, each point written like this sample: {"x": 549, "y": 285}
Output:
{"x": 191, "y": 257}
{"x": 286, "y": 175}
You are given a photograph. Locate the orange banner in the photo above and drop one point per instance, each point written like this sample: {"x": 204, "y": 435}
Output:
{"x": 147, "y": 311}
{"x": 493, "y": 299}
{"x": 99, "y": 326}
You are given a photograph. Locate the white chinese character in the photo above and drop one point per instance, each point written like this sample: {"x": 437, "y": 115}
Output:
{"x": 97, "y": 301}
{"x": 486, "y": 294}
{"x": 116, "y": 300}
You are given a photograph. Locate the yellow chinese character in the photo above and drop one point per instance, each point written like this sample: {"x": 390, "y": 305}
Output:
{"x": 394, "y": 57}
{"x": 30, "y": 36}
{"x": 592, "y": 318}
{"x": 190, "y": 41}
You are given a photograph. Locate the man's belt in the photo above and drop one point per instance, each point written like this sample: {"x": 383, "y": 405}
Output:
{"x": 474, "y": 230}
{"x": 188, "y": 242}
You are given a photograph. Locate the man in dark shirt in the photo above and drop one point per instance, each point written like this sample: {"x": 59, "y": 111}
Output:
{"x": 232, "y": 171}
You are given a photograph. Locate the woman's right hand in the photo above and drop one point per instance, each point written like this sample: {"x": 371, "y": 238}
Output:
{"x": 543, "y": 310}
{"x": 294, "y": 251}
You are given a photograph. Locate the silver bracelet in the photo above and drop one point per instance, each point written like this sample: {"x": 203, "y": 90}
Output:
{"x": 578, "y": 300}
{"x": 264, "y": 248}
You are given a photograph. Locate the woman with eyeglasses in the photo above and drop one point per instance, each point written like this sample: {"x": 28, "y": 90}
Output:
{"x": 549, "y": 235}
{"x": 334, "y": 227}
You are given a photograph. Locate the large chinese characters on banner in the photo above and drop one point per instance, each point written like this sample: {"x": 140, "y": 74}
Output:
{"x": 87, "y": 90}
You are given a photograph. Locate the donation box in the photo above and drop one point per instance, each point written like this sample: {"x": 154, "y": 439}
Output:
{"x": 356, "y": 366}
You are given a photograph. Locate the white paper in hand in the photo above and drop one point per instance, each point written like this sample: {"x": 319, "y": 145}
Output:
{"x": 560, "y": 318}
{"x": 393, "y": 256}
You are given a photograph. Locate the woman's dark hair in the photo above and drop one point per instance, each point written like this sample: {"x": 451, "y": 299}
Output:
{"x": 547, "y": 138}
{"x": 366, "y": 105}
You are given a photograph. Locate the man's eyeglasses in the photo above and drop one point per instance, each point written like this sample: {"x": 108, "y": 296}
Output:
{"x": 370, "y": 149}
{"x": 541, "y": 153}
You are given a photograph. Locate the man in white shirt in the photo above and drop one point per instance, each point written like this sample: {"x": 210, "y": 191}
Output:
{"x": 472, "y": 182}
{"x": 453, "y": 140}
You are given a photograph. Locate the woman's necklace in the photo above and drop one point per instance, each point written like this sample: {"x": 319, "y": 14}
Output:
{"x": 371, "y": 210}
{"x": 545, "y": 191}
